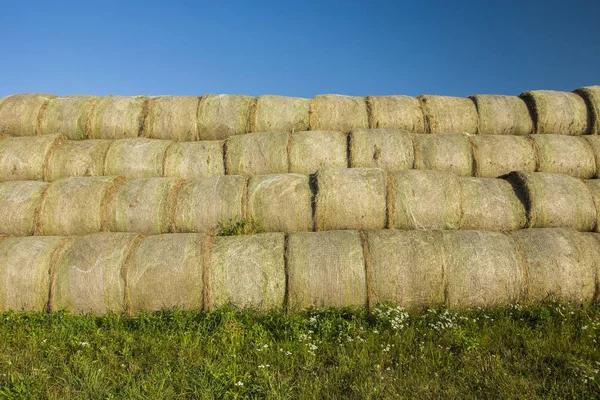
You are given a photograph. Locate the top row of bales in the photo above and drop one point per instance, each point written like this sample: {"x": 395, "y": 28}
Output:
{"x": 216, "y": 117}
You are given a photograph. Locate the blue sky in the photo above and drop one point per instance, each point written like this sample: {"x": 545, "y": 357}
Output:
{"x": 298, "y": 48}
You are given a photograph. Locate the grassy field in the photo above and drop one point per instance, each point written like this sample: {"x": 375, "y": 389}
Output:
{"x": 545, "y": 351}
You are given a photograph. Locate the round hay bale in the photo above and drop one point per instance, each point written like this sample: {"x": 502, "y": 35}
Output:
{"x": 351, "y": 199}
{"x": 561, "y": 154}
{"x": 281, "y": 203}
{"x": 257, "y": 154}
{"x": 76, "y": 206}
{"x": 118, "y": 117}
{"x": 77, "y": 158}
{"x": 446, "y": 152}
{"x": 423, "y": 200}
{"x": 594, "y": 187}
{"x": 221, "y": 116}
{"x": 401, "y": 112}
{"x": 88, "y": 276}
{"x": 490, "y": 205}
{"x": 144, "y": 206}
{"x": 23, "y": 158}
{"x": 326, "y": 269}
{"x": 19, "y": 113}
{"x": 25, "y": 266}
{"x": 591, "y": 95}
{"x": 19, "y": 201}
{"x": 69, "y": 116}
{"x": 136, "y": 158}
{"x": 338, "y": 113}
{"x": 205, "y": 204}
{"x": 496, "y": 155}
{"x": 560, "y": 113}
{"x": 172, "y": 118}
{"x": 310, "y": 151}
{"x": 247, "y": 271}
{"x": 279, "y": 114}
{"x": 594, "y": 142}
{"x": 195, "y": 160}
{"x": 502, "y": 115}
{"x": 165, "y": 271}
{"x": 445, "y": 114}
{"x": 554, "y": 200}
{"x": 388, "y": 149}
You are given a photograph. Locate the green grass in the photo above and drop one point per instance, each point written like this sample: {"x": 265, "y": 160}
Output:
{"x": 248, "y": 226}
{"x": 545, "y": 351}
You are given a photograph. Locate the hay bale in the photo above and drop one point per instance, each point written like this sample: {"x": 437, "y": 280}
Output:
{"x": 165, "y": 271}
{"x": 401, "y": 112}
{"x": 326, "y": 269}
{"x": 76, "y": 206}
{"x": 172, "y": 118}
{"x": 136, "y": 158}
{"x": 204, "y": 204}
{"x": 310, "y": 151}
{"x": 257, "y": 154}
{"x": 195, "y": 160}
{"x": 563, "y": 154}
{"x": 445, "y": 152}
{"x": 445, "y": 114}
{"x": 88, "y": 275}
{"x": 221, "y": 116}
{"x": 23, "y": 158}
{"x": 68, "y": 116}
{"x": 388, "y": 149}
{"x": 561, "y": 263}
{"x": 25, "y": 265}
{"x": 502, "y": 115}
{"x": 351, "y": 199}
{"x": 560, "y": 113}
{"x": 280, "y": 114}
{"x": 594, "y": 187}
{"x": 19, "y": 201}
{"x": 338, "y": 113}
{"x": 423, "y": 200}
{"x": 247, "y": 271}
{"x": 77, "y": 158}
{"x": 555, "y": 201}
{"x": 490, "y": 205}
{"x": 591, "y": 95}
{"x": 19, "y": 113}
{"x": 281, "y": 203}
{"x": 118, "y": 117}
{"x": 594, "y": 142}
{"x": 143, "y": 206}
{"x": 496, "y": 155}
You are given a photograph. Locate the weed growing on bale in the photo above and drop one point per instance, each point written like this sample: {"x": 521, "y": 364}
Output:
{"x": 243, "y": 227}
{"x": 542, "y": 351}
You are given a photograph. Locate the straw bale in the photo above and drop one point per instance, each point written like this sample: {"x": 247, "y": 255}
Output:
{"x": 351, "y": 199}
{"x": 388, "y": 149}
{"x": 555, "y": 112}
{"x": 554, "y": 200}
{"x": 136, "y": 158}
{"x": 445, "y": 152}
{"x": 563, "y": 154}
{"x": 502, "y": 115}
{"x": 204, "y": 204}
{"x": 338, "y": 113}
{"x": 118, "y": 117}
{"x": 594, "y": 142}
{"x": 280, "y": 114}
{"x": 89, "y": 274}
{"x": 23, "y": 158}
{"x": 281, "y": 203}
{"x": 19, "y": 113}
{"x": 165, "y": 271}
{"x": 497, "y": 155}
{"x": 594, "y": 187}
{"x": 172, "y": 118}
{"x": 77, "y": 158}
{"x": 591, "y": 95}
{"x": 445, "y": 114}
{"x": 312, "y": 150}
{"x": 221, "y": 116}
{"x": 401, "y": 112}
{"x": 257, "y": 153}
{"x": 19, "y": 201}
{"x": 68, "y": 116}
{"x": 195, "y": 160}
{"x": 326, "y": 269}
{"x": 247, "y": 271}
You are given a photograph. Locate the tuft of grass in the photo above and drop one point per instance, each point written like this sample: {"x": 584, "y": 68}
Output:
{"x": 243, "y": 227}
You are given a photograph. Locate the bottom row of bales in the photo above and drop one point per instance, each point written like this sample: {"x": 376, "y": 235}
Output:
{"x": 126, "y": 272}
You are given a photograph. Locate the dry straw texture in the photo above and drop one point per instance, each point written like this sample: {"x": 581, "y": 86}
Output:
{"x": 77, "y": 158}
{"x": 591, "y": 94}
{"x": 23, "y": 158}
{"x": 195, "y": 160}
{"x": 351, "y": 199}
{"x": 561, "y": 154}
{"x": 221, "y": 116}
{"x": 594, "y": 142}
{"x": 496, "y": 155}
{"x": 445, "y": 114}
{"x": 326, "y": 269}
{"x": 502, "y": 115}
{"x": 594, "y": 187}
{"x": 257, "y": 154}
{"x": 311, "y": 151}
{"x": 338, "y": 113}
{"x": 401, "y": 112}
{"x": 136, "y": 158}
{"x": 173, "y": 118}
{"x": 247, "y": 271}
{"x": 19, "y": 202}
{"x": 19, "y": 113}
{"x": 388, "y": 149}
{"x": 444, "y": 153}
{"x": 118, "y": 117}
{"x": 560, "y": 113}
{"x": 280, "y": 114}
{"x": 68, "y": 116}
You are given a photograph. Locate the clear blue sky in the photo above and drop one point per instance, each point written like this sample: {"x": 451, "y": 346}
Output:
{"x": 298, "y": 48}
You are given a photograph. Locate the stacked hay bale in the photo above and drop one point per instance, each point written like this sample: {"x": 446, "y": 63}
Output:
{"x": 558, "y": 112}
{"x": 194, "y": 160}
{"x": 69, "y": 116}
{"x": 444, "y": 114}
{"x": 591, "y": 94}
{"x": 388, "y": 149}
{"x": 400, "y": 112}
{"x": 221, "y": 116}
{"x": 502, "y": 115}
{"x": 308, "y": 152}
{"x": 446, "y": 152}
{"x": 561, "y": 154}
{"x": 257, "y": 154}
{"x": 495, "y": 155}
{"x": 24, "y": 158}
{"x": 76, "y": 158}
{"x": 279, "y": 114}
{"x": 19, "y": 114}
{"x": 137, "y": 158}
{"x": 172, "y": 118}
{"x": 19, "y": 204}
{"x": 118, "y": 117}
{"x": 338, "y": 113}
